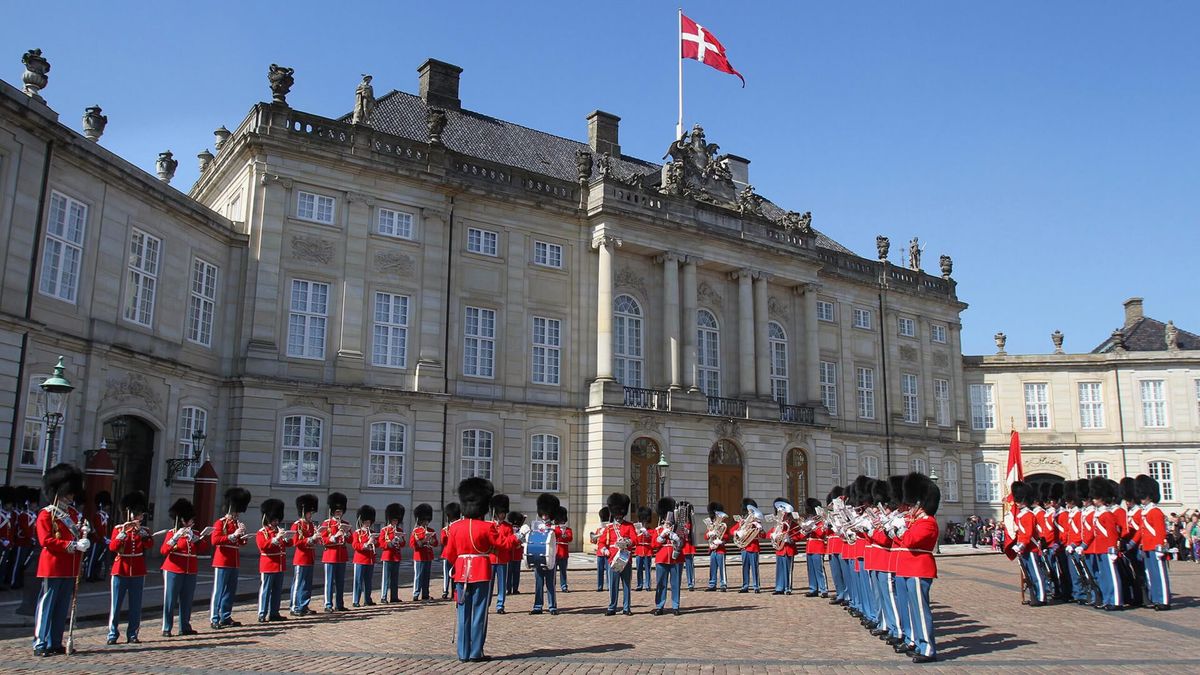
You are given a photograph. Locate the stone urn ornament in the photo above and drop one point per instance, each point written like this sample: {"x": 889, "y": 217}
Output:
{"x": 35, "y": 77}
{"x": 1057, "y": 338}
{"x": 205, "y": 159}
{"x": 947, "y": 266}
{"x": 94, "y": 123}
{"x": 165, "y": 166}
{"x": 883, "y": 245}
{"x": 1001, "y": 339}
{"x": 583, "y": 165}
{"x": 281, "y": 81}
{"x": 435, "y": 125}
{"x": 220, "y": 136}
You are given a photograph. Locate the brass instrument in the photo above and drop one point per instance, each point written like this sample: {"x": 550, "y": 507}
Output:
{"x": 624, "y": 546}
{"x": 716, "y": 528}
{"x": 782, "y": 535}
{"x": 749, "y": 527}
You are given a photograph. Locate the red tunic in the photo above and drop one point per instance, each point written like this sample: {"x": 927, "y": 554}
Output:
{"x": 337, "y": 547}
{"x": 272, "y": 556}
{"x": 1046, "y": 527}
{"x": 182, "y": 558}
{"x": 391, "y": 540}
{"x": 422, "y": 552}
{"x": 610, "y": 535}
{"x": 789, "y": 546}
{"x": 1089, "y": 534}
{"x": 305, "y": 553}
{"x": 834, "y": 544}
{"x": 1107, "y": 534}
{"x": 468, "y": 544}
{"x": 1075, "y": 531}
{"x": 54, "y": 534}
{"x": 25, "y": 533}
{"x": 879, "y": 551}
{"x": 689, "y": 548}
{"x": 100, "y": 528}
{"x": 562, "y": 539}
{"x": 915, "y": 555}
{"x": 753, "y": 546}
{"x": 130, "y": 553}
{"x": 641, "y": 542}
{"x": 601, "y": 549}
{"x": 226, "y": 547}
{"x": 816, "y": 542}
{"x": 1136, "y": 525}
{"x": 364, "y": 544}
{"x": 502, "y": 555}
{"x": 1154, "y": 528}
{"x": 1026, "y": 530}
{"x": 664, "y": 552}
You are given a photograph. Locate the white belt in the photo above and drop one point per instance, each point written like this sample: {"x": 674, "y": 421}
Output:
{"x": 132, "y": 555}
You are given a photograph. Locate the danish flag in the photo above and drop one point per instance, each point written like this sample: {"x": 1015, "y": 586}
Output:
{"x": 1015, "y": 473}
{"x": 696, "y": 42}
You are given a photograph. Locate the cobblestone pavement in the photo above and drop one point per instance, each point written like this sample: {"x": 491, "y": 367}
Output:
{"x": 981, "y": 626}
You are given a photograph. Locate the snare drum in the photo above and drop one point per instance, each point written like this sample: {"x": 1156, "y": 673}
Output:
{"x": 620, "y": 561}
{"x": 540, "y": 549}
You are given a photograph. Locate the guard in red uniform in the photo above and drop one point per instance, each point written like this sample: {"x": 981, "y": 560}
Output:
{"x": 895, "y": 596}
{"x": 814, "y": 551}
{"x": 1133, "y": 573}
{"x": 1091, "y": 557}
{"x": 63, "y": 547}
{"x": 391, "y": 540}
{"x": 668, "y": 558}
{"x": 752, "y": 518}
{"x": 229, "y": 535}
{"x": 562, "y": 540}
{"x": 423, "y": 540}
{"x": 500, "y": 557}
{"x": 543, "y": 576}
{"x": 689, "y": 550}
{"x": 782, "y": 538}
{"x": 365, "y": 546}
{"x": 601, "y": 554}
{"x": 24, "y": 534}
{"x": 915, "y": 566}
{"x": 1106, "y": 538}
{"x": 1027, "y": 543}
{"x": 335, "y": 537}
{"x": 273, "y": 542}
{"x": 717, "y": 533}
{"x": 617, "y": 539}
{"x": 1153, "y": 542}
{"x": 450, "y": 513}
{"x": 304, "y": 558}
{"x": 833, "y": 549}
{"x": 180, "y": 551}
{"x": 516, "y": 556}
{"x": 643, "y": 552}
{"x": 98, "y": 553}
{"x": 130, "y": 541}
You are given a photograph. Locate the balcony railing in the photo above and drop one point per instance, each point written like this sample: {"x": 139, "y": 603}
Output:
{"x": 726, "y": 407}
{"x": 797, "y": 414}
{"x": 649, "y": 399}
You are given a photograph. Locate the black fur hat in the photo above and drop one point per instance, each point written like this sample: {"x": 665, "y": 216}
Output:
{"x": 1081, "y": 490}
{"x": 546, "y": 504}
{"x": 424, "y": 512}
{"x": 836, "y": 492}
{"x": 1098, "y": 488}
{"x": 61, "y": 479}
{"x": 367, "y": 512}
{"x": 667, "y": 505}
{"x": 560, "y": 514}
{"x": 336, "y": 501}
{"x": 919, "y": 490}
{"x": 516, "y": 518}
{"x": 1129, "y": 489}
{"x": 746, "y": 501}
{"x": 618, "y": 506}
{"x": 811, "y": 505}
{"x": 272, "y": 509}
{"x": 862, "y": 490}
{"x": 500, "y": 504}
{"x": 713, "y": 507}
{"x": 393, "y": 511}
{"x": 103, "y": 499}
{"x": 1022, "y": 492}
{"x": 1070, "y": 494}
{"x": 452, "y": 511}
{"x": 1147, "y": 488}
{"x": 237, "y": 500}
{"x": 895, "y": 491}
{"x": 880, "y": 492}
{"x": 181, "y": 511}
{"x": 1043, "y": 493}
{"x": 605, "y": 514}
{"x": 306, "y": 504}
{"x": 134, "y": 502}
{"x": 644, "y": 513}
{"x": 28, "y": 495}
{"x": 1056, "y": 492}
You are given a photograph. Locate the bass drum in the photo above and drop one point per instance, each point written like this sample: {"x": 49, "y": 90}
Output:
{"x": 540, "y": 549}
{"x": 620, "y": 561}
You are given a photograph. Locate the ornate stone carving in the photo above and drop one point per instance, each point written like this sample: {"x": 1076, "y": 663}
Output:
{"x": 1057, "y": 338}
{"x": 392, "y": 409}
{"x": 133, "y": 385}
{"x": 364, "y": 102}
{"x": 165, "y": 166}
{"x": 394, "y": 263}
{"x": 908, "y": 354}
{"x": 604, "y": 165}
{"x": 312, "y": 249}
{"x": 702, "y": 173}
{"x": 281, "y": 81}
{"x": 297, "y": 401}
{"x": 1172, "y": 336}
{"x": 627, "y": 278}
{"x": 583, "y": 165}
{"x": 607, "y": 241}
{"x": 727, "y": 429}
{"x": 947, "y": 266}
{"x": 709, "y": 294}
{"x": 94, "y": 123}
{"x": 796, "y": 437}
{"x": 778, "y": 309}
{"x": 914, "y": 255}
{"x": 205, "y": 158}
{"x": 672, "y": 183}
{"x": 1048, "y": 461}
{"x": 435, "y": 124}
{"x": 1118, "y": 340}
{"x": 793, "y": 221}
{"x": 35, "y": 76}
{"x": 941, "y": 359}
{"x": 749, "y": 203}
{"x": 647, "y": 423}
{"x": 220, "y": 138}
{"x": 882, "y": 246}
{"x": 1000, "y": 339}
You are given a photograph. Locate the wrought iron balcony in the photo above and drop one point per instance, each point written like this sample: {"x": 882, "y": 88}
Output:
{"x": 726, "y": 407}
{"x": 648, "y": 399}
{"x": 797, "y": 414}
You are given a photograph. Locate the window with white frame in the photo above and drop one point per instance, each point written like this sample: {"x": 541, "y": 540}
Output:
{"x": 1037, "y": 405}
{"x": 233, "y": 209}
{"x": 910, "y": 398}
{"x": 941, "y": 399}
{"x": 983, "y": 407}
{"x": 870, "y": 466}
{"x": 987, "y": 482}
{"x": 777, "y": 341}
{"x": 907, "y": 327}
{"x": 314, "y": 207}
{"x": 389, "y": 443}
{"x": 482, "y": 241}
{"x": 862, "y": 318}
{"x": 708, "y": 353}
{"x": 1164, "y": 474}
{"x": 307, "y": 316}
{"x": 33, "y": 440}
{"x": 202, "y": 302}
{"x": 865, "y": 384}
{"x": 1091, "y": 405}
{"x": 1154, "y": 403}
{"x": 1095, "y": 469}
{"x": 544, "y": 453}
{"x": 145, "y": 251}
{"x": 191, "y": 420}
{"x": 828, "y": 377}
{"x": 63, "y": 247}
{"x": 627, "y": 341}
{"x": 835, "y": 467}
{"x": 825, "y": 311}
{"x": 476, "y": 454}
{"x": 547, "y": 254}
{"x": 919, "y": 465}
{"x": 389, "y": 346}
{"x": 393, "y": 223}
{"x": 950, "y": 480}
{"x": 479, "y": 342}
{"x": 547, "y": 344}
{"x": 937, "y": 333}
{"x": 300, "y": 457}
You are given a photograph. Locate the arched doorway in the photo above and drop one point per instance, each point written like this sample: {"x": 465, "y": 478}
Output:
{"x": 1036, "y": 479}
{"x": 725, "y": 475}
{"x": 131, "y": 443}
{"x": 643, "y": 477}
{"x": 797, "y": 477}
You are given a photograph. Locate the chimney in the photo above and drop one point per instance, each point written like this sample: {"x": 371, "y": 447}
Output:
{"x": 739, "y": 168}
{"x": 602, "y": 133}
{"x": 1133, "y": 311}
{"x": 439, "y": 84}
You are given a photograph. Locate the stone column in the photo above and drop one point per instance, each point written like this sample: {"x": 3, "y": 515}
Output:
{"x": 354, "y": 303}
{"x": 670, "y": 263}
{"x": 812, "y": 345}
{"x": 605, "y": 245}
{"x": 689, "y": 323}
{"x": 745, "y": 333}
{"x": 762, "y": 345}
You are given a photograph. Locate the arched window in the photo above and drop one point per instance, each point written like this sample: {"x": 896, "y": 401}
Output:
{"x": 919, "y": 465}
{"x": 643, "y": 478}
{"x": 708, "y": 353}
{"x": 544, "y": 451}
{"x": 950, "y": 480}
{"x": 870, "y": 466}
{"x": 1163, "y": 473}
{"x": 797, "y": 477}
{"x": 627, "y": 341}
{"x": 779, "y": 362}
{"x": 1094, "y": 469}
{"x": 987, "y": 482}
{"x": 389, "y": 440}
{"x": 191, "y": 420}
{"x": 300, "y": 457}
{"x": 476, "y": 455}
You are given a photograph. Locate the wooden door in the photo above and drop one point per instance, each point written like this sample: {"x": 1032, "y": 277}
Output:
{"x": 797, "y": 478}
{"x": 725, "y": 476}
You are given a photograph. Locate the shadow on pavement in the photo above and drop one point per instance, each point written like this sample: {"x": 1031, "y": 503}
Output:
{"x": 971, "y": 636}
{"x": 545, "y": 653}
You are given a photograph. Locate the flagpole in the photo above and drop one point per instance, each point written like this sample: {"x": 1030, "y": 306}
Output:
{"x": 679, "y": 59}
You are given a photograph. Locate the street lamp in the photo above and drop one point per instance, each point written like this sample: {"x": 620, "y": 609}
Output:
{"x": 937, "y": 545}
{"x": 53, "y": 405}
{"x": 177, "y": 464}
{"x": 662, "y": 465}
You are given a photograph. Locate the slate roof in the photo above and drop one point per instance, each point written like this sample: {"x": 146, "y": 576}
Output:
{"x": 476, "y": 135}
{"x": 1149, "y": 335}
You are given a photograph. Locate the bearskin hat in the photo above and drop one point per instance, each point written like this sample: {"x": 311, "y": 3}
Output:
{"x": 1098, "y": 488}
{"x": 1070, "y": 494}
{"x": 1022, "y": 492}
{"x": 306, "y": 504}
{"x": 1147, "y": 488}
{"x": 181, "y": 511}
{"x": 500, "y": 503}
{"x": 367, "y": 512}
{"x": 880, "y": 492}
{"x": 811, "y": 505}
{"x": 605, "y": 514}
{"x": 452, "y": 511}
{"x": 836, "y": 492}
{"x": 644, "y": 513}
{"x": 516, "y": 518}
{"x": 134, "y": 502}
{"x": 1129, "y": 489}
{"x": 6, "y": 495}
{"x": 667, "y": 505}
{"x": 424, "y": 512}
{"x": 336, "y": 501}
{"x": 560, "y": 514}
{"x": 393, "y": 511}
{"x": 1056, "y": 492}
{"x": 272, "y": 509}
{"x": 618, "y": 506}
{"x": 895, "y": 491}
{"x": 862, "y": 489}
{"x": 28, "y": 495}
{"x": 237, "y": 500}
{"x": 546, "y": 504}
{"x": 746, "y": 501}
{"x": 919, "y": 490}
{"x": 1082, "y": 490}
{"x": 103, "y": 499}
{"x": 61, "y": 479}
{"x": 713, "y": 507}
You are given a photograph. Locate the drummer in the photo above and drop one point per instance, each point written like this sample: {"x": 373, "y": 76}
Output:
{"x": 543, "y": 568}
{"x": 618, "y": 538}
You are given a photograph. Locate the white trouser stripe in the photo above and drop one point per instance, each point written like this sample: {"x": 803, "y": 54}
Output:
{"x": 214, "y": 612}
{"x": 921, "y": 613}
{"x": 891, "y": 583}
{"x": 1115, "y": 579}
{"x": 1037, "y": 575}
{"x": 1162, "y": 576}
{"x": 112, "y": 603}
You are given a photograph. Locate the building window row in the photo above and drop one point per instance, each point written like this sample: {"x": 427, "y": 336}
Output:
{"x": 1090, "y": 395}
{"x": 63, "y": 247}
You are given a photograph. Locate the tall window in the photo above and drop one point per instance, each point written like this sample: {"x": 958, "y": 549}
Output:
{"x": 627, "y": 341}
{"x": 870, "y": 466}
{"x": 300, "y": 459}
{"x": 390, "y": 334}
{"x": 1037, "y": 405}
{"x": 479, "y": 342}
{"x": 1095, "y": 469}
{"x": 482, "y": 242}
{"x": 306, "y": 320}
{"x": 708, "y": 348}
{"x": 779, "y": 362}
{"x": 394, "y": 223}
{"x": 835, "y": 469}
{"x": 547, "y": 341}
{"x": 950, "y": 480}
{"x": 1154, "y": 403}
{"x": 1091, "y": 406}
{"x": 829, "y": 386}
{"x": 547, "y": 255}
{"x": 983, "y": 407}
{"x": 919, "y": 465}
{"x": 825, "y": 311}
{"x": 865, "y": 382}
{"x": 64, "y": 247}
{"x": 987, "y": 482}
{"x": 941, "y": 398}
{"x": 202, "y": 303}
{"x": 862, "y": 318}
{"x": 386, "y": 463}
{"x": 191, "y": 420}
{"x": 476, "y": 454}
{"x": 906, "y": 327}
{"x": 544, "y": 451}
{"x": 937, "y": 333}
{"x": 911, "y": 399}
{"x": 1161, "y": 472}
{"x": 314, "y": 207}
{"x": 144, "y": 251}
{"x": 33, "y": 441}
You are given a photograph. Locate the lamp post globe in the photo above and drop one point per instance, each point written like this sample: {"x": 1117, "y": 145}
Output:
{"x": 56, "y": 390}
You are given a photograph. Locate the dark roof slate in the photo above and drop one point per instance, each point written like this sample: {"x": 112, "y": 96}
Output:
{"x": 1149, "y": 335}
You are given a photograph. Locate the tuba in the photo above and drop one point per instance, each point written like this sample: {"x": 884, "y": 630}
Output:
{"x": 749, "y": 527}
{"x": 782, "y": 535}
{"x": 716, "y": 528}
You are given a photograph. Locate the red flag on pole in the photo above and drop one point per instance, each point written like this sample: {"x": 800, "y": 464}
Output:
{"x": 696, "y": 42}
{"x": 1015, "y": 473}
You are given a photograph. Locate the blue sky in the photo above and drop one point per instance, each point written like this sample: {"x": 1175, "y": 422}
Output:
{"x": 1050, "y": 148}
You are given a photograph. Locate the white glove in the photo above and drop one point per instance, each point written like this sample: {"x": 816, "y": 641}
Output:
{"x": 312, "y": 541}
{"x": 1070, "y": 548}
{"x": 121, "y": 535}
{"x": 1018, "y": 548}
{"x": 82, "y": 545}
